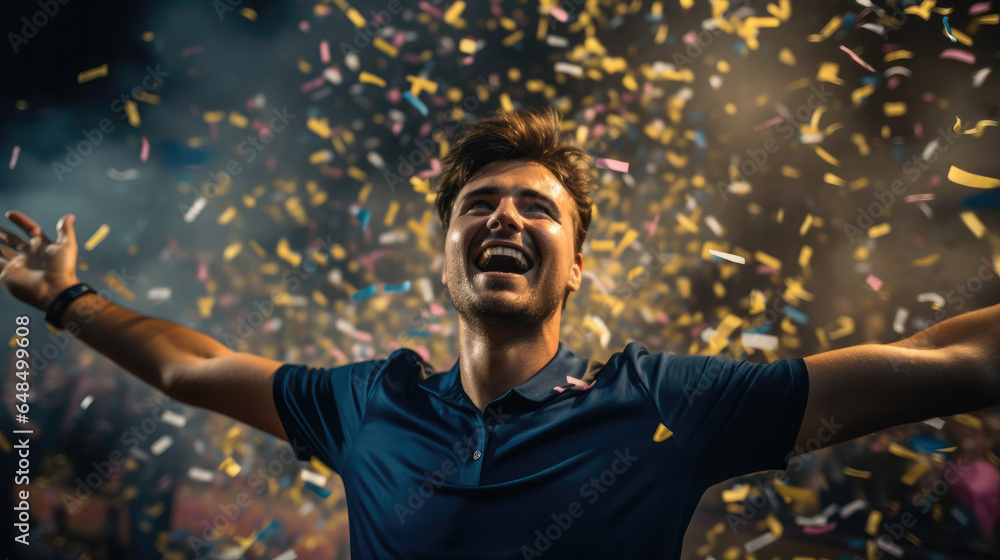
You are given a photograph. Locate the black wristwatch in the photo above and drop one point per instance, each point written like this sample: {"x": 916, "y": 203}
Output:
{"x": 58, "y": 306}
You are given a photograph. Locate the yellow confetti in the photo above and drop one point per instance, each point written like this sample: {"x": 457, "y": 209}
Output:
{"x": 926, "y": 261}
{"x": 767, "y": 260}
{"x": 737, "y": 494}
{"x": 237, "y": 120}
{"x": 249, "y": 13}
{"x": 827, "y": 157}
{"x": 786, "y": 56}
{"x": 662, "y": 433}
{"x": 98, "y": 236}
{"x": 894, "y": 109}
{"x": 862, "y": 92}
{"x": 454, "y": 13}
{"x": 356, "y": 18}
{"x": 914, "y": 473}
{"x": 827, "y": 30}
{"x": 977, "y": 130}
{"x": 972, "y": 222}
{"x": 828, "y": 73}
{"x": 782, "y": 11}
{"x": 385, "y": 46}
{"x": 369, "y": 78}
{"x": 231, "y": 251}
{"x": 790, "y": 172}
{"x": 92, "y": 74}
{"x": 874, "y": 517}
{"x": 897, "y": 55}
{"x": 132, "y": 110}
{"x": 880, "y": 230}
{"x": 856, "y": 473}
{"x": 231, "y": 467}
{"x": 390, "y": 214}
{"x": 512, "y": 38}
{"x": 832, "y": 179}
{"x": 967, "y": 179}
{"x": 804, "y": 255}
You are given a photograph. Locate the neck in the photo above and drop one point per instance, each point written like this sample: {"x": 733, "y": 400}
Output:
{"x": 498, "y": 357}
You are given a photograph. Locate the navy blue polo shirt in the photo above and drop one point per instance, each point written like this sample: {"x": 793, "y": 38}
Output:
{"x": 582, "y": 460}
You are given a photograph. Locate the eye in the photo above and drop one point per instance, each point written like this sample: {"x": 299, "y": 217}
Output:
{"x": 538, "y": 207}
{"x": 478, "y": 204}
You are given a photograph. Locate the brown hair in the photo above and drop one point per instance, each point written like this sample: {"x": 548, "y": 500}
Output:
{"x": 522, "y": 134}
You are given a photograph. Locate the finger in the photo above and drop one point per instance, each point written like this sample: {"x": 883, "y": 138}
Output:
{"x": 13, "y": 240}
{"x": 66, "y": 233}
{"x": 28, "y": 225}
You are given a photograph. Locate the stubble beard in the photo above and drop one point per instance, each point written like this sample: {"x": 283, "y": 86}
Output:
{"x": 487, "y": 313}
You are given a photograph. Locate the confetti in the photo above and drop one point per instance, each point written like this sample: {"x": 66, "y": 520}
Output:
{"x": 857, "y": 58}
{"x": 874, "y": 282}
{"x": 144, "y": 151}
{"x": 947, "y": 29}
{"x": 729, "y": 257}
{"x": 967, "y": 179}
{"x": 612, "y": 164}
{"x": 92, "y": 74}
{"x": 959, "y": 55}
{"x": 13, "y": 157}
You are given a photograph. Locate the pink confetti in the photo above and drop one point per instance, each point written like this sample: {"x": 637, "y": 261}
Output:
{"x": 919, "y": 197}
{"x": 929, "y": 96}
{"x": 203, "y": 271}
{"x": 612, "y": 164}
{"x": 13, "y": 156}
{"x": 304, "y": 26}
{"x": 764, "y": 269}
{"x": 324, "y": 51}
{"x": 959, "y": 55}
{"x": 311, "y": 84}
{"x": 820, "y": 530}
{"x": 424, "y": 353}
{"x": 662, "y": 317}
{"x": 336, "y": 353}
{"x": 192, "y": 50}
{"x": 768, "y": 123}
{"x": 559, "y": 13}
{"x": 918, "y": 129}
{"x": 436, "y": 309}
{"x": 144, "y": 151}
{"x": 980, "y": 8}
{"x": 651, "y": 225}
{"x": 496, "y": 10}
{"x": 690, "y": 37}
{"x": 857, "y": 58}
{"x": 363, "y": 336}
{"x": 874, "y": 282}
{"x": 430, "y": 9}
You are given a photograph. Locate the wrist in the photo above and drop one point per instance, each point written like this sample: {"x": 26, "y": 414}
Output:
{"x": 56, "y": 289}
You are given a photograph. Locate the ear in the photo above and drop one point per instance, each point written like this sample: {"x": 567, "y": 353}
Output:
{"x": 576, "y": 273}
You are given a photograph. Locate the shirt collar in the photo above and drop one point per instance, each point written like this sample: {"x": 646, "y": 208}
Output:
{"x": 537, "y": 388}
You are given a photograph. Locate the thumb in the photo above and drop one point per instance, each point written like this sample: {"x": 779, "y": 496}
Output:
{"x": 65, "y": 227}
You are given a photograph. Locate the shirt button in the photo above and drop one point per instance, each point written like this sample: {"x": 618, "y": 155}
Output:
{"x": 477, "y": 455}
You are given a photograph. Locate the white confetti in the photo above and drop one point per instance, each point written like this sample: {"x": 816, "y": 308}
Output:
{"x": 728, "y": 256}
{"x": 161, "y": 444}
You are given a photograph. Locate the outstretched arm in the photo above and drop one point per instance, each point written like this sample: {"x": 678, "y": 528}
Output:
{"x": 949, "y": 368}
{"x": 180, "y": 362}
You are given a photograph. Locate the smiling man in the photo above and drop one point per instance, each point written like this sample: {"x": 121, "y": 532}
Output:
{"x": 524, "y": 449}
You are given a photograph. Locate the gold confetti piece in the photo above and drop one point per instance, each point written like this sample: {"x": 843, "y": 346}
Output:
{"x": 880, "y": 230}
{"x": 249, "y": 13}
{"x": 923, "y": 10}
{"x": 205, "y": 305}
{"x": 977, "y": 130}
{"x": 92, "y": 74}
{"x": 913, "y": 473}
{"x": 827, "y": 30}
{"x": 118, "y": 287}
{"x": 213, "y": 116}
{"x": 927, "y": 260}
{"x": 826, "y": 156}
{"x": 237, "y": 120}
{"x": 786, "y": 56}
{"x": 685, "y": 4}
{"x": 467, "y": 45}
{"x": 858, "y": 184}
{"x": 856, "y": 473}
{"x": 319, "y": 127}
{"x": 972, "y": 222}
{"x": 385, "y": 46}
{"x": 968, "y": 420}
{"x": 231, "y": 467}
{"x": 227, "y": 216}
{"x": 894, "y": 109}
{"x": 804, "y": 255}
{"x": 874, "y": 517}
{"x": 231, "y": 251}
{"x": 736, "y": 494}
{"x": 454, "y": 13}
{"x": 832, "y": 179}
{"x": 967, "y": 179}
{"x": 662, "y": 433}
{"x": 948, "y": 449}
{"x": 132, "y": 110}
{"x": 512, "y": 38}
{"x": 774, "y": 525}
{"x": 767, "y": 260}
{"x": 782, "y": 11}
{"x": 899, "y": 54}
{"x": 862, "y": 92}
{"x": 356, "y": 18}
{"x": 602, "y": 245}
{"x": 98, "y": 236}
{"x": 790, "y": 172}
{"x": 390, "y": 214}
{"x": 828, "y": 73}
{"x": 146, "y": 97}
{"x": 369, "y": 78}
{"x": 795, "y": 493}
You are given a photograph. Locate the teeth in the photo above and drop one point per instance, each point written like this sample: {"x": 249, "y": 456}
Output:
{"x": 505, "y": 251}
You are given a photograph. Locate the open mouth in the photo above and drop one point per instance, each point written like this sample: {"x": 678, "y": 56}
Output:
{"x": 503, "y": 259}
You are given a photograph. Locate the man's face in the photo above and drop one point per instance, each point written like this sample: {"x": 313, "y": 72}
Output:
{"x": 509, "y": 250}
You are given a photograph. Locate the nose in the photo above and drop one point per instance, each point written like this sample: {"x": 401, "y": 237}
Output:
{"x": 505, "y": 217}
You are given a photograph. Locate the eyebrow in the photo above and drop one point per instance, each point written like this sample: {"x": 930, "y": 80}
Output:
{"x": 487, "y": 190}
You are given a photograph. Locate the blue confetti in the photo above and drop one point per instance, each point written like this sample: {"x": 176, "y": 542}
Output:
{"x": 796, "y": 315}
{"x": 365, "y": 217}
{"x": 948, "y": 29}
{"x": 404, "y": 287}
{"x": 416, "y": 102}
{"x": 989, "y": 199}
{"x": 365, "y": 293}
{"x": 418, "y": 333}
{"x": 321, "y": 492}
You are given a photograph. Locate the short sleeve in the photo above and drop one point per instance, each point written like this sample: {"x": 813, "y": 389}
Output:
{"x": 321, "y": 409}
{"x": 731, "y": 417}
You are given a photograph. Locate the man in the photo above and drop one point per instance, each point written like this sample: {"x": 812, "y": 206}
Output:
{"x": 523, "y": 449}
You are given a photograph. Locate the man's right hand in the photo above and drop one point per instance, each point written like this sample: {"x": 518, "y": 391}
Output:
{"x": 38, "y": 270}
